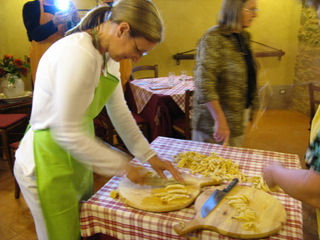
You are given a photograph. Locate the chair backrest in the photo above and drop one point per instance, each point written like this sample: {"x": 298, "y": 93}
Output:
{"x": 104, "y": 128}
{"x": 314, "y": 97}
{"x": 153, "y": 68}
{"x": 187, "y": 109}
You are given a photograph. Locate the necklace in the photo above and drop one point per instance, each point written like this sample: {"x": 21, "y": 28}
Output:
{"x": 96, "y": 45}
{"x": 95, "y": 38}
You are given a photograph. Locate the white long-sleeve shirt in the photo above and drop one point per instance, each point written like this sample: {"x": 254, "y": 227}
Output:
{"x": 67, "y": 77}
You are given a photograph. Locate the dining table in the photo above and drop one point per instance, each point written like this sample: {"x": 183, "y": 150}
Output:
{"x": 105, "y": 217}
{"x": 21, "y": 104}
{"x": 158, "y": 102}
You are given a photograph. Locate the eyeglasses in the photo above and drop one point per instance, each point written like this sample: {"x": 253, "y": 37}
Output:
{"x": 253, "y": 10}
{"x": 140, "y": 52}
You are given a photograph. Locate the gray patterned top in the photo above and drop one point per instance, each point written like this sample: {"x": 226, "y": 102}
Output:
{"x": 221, "y": 74}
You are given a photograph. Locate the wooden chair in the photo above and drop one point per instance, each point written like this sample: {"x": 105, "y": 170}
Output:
{"x": 149, "y": 68}
{"x": 182, "y": 123}
{"x": 12, "y": 127}
{"x": 142, "y": 123}
{"x": 104, "y": 128}
{"x": 314, "y": 97}
{"x": 106, "y": 131}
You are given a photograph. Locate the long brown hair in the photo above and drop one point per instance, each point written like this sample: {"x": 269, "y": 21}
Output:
{"x": 231, "y": 13}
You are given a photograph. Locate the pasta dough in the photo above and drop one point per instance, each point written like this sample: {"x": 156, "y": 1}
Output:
{"x": 212, "y": 166}
{"x": 217, "y": 168}
{"x": 240, "y": 204}
{"x": 175, "y": 192}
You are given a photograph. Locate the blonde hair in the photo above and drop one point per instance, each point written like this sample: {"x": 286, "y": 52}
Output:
{"x": 231, "y": 14}
{"x": 142, "y": 16}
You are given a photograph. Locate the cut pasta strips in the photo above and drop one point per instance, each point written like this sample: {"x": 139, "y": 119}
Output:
{"x": 240, "y": 204}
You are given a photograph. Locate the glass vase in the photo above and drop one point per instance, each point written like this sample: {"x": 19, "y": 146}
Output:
{"x": 13, "y": 87}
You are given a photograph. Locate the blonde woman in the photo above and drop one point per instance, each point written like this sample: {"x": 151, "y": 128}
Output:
{"x": 58, "y": 153}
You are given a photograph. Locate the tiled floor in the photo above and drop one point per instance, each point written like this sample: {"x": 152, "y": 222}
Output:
{"x": 285, "y": 131}
{"x": 16, "y": 222}
{"x": 278, "y": 130}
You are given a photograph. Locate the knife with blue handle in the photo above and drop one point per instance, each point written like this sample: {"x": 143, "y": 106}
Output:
{"x": 216, "y": 197}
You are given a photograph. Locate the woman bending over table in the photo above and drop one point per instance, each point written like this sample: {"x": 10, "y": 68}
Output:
{"x": 58, "y": 153}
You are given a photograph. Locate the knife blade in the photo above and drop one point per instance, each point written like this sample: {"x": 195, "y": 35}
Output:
{"x": 216, "y": 197}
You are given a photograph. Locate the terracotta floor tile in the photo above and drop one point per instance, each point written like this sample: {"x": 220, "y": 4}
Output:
{"x": 28, "y": 234}
{"x": 7, "y": 233}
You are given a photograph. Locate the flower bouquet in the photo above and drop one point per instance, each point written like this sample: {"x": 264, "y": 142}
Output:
{"x": 14, "y": 67}
{"x": 11, "y": 71}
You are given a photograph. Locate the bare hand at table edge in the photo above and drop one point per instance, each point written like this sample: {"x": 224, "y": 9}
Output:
{"x": 221, "y": 128}
{"x": 221, "y": 133}
{"x": 301, "y": 184}
{"x": 267, "y": 174}
{"x": 136, "y": 174}
{"x": 160, "y": 165}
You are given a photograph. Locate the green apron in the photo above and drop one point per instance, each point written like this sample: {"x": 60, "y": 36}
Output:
{"x": 62, "y": 180}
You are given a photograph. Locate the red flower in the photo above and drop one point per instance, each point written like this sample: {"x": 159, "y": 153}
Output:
{"x": 2, "y": 72}
{"x": 18, "y": 62}
{"x": 12, "y": 66}
{"x": 7, "y": 56}
{"x": 24, "y": 71}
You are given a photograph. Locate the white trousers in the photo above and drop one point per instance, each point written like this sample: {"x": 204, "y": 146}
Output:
{"x": 203, "y": 137}
{"x": 28, "y": 186}
{"x": 233, "y": 141}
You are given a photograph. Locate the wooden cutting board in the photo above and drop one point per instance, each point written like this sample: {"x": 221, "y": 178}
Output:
{"x": 143, "y": 198}
{"x": 270, "y": 215}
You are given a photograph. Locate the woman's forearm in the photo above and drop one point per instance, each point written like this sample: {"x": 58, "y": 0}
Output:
{"x": 301, "y": 184}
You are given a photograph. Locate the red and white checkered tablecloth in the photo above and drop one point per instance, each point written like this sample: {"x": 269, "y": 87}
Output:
{"x": 142, "y": 92}
{"x": 103, "y": 214}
